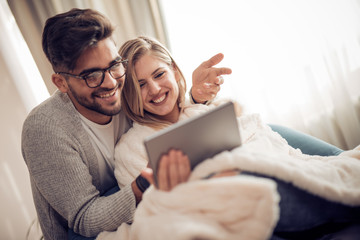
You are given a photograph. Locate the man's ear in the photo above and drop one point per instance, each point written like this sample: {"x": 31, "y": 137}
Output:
{"x": 60, "y": 82}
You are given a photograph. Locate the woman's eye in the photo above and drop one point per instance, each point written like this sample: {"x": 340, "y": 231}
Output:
{"x": 142, "y": 84}
{"x": 159, "y": 75}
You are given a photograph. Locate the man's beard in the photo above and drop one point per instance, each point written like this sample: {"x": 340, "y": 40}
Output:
{"x": 94, "y": 105}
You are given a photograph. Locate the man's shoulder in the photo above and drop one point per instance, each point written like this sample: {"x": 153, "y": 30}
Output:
{"x": 57, "y": 108}
{"x": 57, "y": 104}
{"x": 54, "y": 118}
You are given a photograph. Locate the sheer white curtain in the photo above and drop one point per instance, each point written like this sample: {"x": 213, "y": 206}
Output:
{"x": 19, "y": 62}
{"x": 21, "y": 89}
{"x": 297, "y": 62}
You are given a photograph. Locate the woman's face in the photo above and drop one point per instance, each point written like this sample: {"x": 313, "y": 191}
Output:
{"x": 159, "y": 89}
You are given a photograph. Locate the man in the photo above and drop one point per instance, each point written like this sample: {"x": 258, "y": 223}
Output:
{"x": 68, "y": 140}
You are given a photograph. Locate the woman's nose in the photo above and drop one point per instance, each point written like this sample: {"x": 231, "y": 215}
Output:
{"x": 153, "y": 87}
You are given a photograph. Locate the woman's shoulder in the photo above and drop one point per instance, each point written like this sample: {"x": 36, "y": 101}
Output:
{"x": 136, "y": 134}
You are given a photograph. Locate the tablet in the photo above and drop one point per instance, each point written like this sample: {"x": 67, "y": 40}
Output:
{"x": 200, "y": 137}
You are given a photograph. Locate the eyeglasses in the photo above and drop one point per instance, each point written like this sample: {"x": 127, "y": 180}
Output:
{"x": 96, "y": 78}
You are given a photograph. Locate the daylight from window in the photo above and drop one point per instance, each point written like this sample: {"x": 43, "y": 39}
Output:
{"x": 285, "y": 55}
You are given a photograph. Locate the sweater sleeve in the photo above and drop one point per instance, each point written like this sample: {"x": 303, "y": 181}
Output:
{"x": 63, "y": 183}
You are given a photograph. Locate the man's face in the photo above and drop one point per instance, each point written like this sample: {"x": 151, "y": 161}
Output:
{"x": 100, "y": 103}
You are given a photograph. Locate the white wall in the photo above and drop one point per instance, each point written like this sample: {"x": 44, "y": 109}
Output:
{"x": 16, "y": 204}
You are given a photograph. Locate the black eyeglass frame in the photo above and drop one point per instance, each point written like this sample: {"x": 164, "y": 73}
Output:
{"x": 83, "y": 77}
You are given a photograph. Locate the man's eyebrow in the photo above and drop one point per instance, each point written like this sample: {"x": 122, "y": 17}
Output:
{"x": 90, "y": 70}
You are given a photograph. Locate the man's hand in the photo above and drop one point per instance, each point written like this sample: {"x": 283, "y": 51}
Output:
{"x": 206, "y": 79}
{"x": 174, "y": 168}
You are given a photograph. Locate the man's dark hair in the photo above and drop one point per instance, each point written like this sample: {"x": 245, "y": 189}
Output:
{"x": 67, "y": 35}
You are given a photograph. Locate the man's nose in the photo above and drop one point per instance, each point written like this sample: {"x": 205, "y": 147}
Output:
{"x": 109, "y": 81}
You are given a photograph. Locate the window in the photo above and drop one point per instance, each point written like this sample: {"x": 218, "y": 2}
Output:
{"x": 291, "y": 60}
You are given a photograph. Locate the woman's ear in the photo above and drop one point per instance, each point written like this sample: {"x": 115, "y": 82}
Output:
{"x": 60, "y": 82}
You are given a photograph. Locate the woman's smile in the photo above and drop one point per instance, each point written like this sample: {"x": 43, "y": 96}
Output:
{"x": 159, "y": 99}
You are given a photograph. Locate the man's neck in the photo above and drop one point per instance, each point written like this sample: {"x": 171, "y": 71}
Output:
{"x": 98, "y": 118}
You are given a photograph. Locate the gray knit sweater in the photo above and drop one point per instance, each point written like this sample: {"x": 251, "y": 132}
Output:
{"x": 64, "y": 173}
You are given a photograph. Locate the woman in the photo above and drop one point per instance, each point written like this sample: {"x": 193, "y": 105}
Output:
{"x": 154, "y": 97}
{"x": 149, "y": 107}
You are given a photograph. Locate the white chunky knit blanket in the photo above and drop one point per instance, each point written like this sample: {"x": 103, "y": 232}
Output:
{"x": 240, "y": 207}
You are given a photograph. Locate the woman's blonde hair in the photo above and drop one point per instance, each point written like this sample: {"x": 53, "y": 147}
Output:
{"x": 132, "y": 103}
